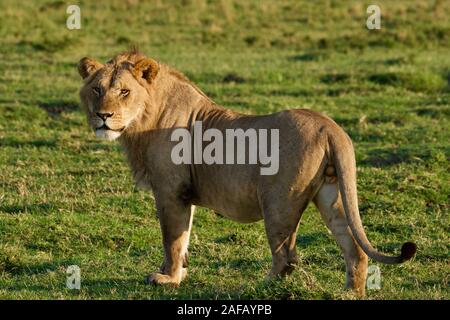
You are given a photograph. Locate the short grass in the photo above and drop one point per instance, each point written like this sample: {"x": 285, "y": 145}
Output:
{"x": 67, "y": 198}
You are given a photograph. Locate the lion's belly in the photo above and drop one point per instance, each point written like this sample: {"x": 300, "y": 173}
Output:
{"x": 238, "y": 204}
{"x": 241, "y": 214}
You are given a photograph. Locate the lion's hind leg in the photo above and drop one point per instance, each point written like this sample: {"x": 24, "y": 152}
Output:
{"x": 281, "y": 230}
{"x": 329, "y": 203}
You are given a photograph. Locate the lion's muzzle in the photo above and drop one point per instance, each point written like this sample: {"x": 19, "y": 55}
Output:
{"x": 106, "y": 127}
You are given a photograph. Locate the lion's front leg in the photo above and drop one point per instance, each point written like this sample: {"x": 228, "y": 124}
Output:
{"x": 176, "y": 221}
{"x": 185, "y": 262}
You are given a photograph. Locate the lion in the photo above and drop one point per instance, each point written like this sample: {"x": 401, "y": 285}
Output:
{"x": 140, "y": 102}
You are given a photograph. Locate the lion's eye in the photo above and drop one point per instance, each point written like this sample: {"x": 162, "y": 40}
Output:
{"x": 96, "y": 90}
{"x": 124, "y": 92}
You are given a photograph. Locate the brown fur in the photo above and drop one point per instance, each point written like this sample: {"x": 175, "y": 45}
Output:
{"x": 316, "y": 164}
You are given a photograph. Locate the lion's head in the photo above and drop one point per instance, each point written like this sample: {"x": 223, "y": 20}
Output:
{"x": 113, "y": 94}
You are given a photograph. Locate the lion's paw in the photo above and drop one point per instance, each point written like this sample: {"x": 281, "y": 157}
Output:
{"x": 159, "y": 278}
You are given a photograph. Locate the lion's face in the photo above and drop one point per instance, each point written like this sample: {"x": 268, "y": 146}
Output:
{"x": 114, "y": 94}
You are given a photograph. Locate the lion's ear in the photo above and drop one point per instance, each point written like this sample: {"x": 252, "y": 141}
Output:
{"x": 88, "y": 66}
{"x": 147, "y": 69}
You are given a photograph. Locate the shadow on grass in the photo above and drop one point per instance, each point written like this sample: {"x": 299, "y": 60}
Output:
{"x": 40, "y": 143}
{"x": 17, "y": 268}
{"x": 334, "y": 77}
{"x": 218, "y": 78}
{"x": 56, "y": 107}
{"x": 433, "y": 112}
{"x": 306, "y": 240}
{"x": 96, "y": 285}
{"x": 27, "y": 208}
{"x": 134, "y": 286}
{"x": 383, "y": 157}
{"x": 398, "y": 120}
{"x": 417, "y": 82}
{"x": 241, "y": 264}
{"x": 53, "y": 107}
{"x": 400, "y": 60}
{"x": 309, "y": 56}
{"x": 92, "y": 287}
{"x": 295, "y": 92}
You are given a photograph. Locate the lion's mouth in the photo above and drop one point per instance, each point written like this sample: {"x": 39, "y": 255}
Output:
{"x": 105, "y": 127}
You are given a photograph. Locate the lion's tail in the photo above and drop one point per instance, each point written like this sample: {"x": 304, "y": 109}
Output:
{"x": 344, "y": 160}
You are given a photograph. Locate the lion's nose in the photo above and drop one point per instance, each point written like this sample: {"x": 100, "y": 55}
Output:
{"x": 104, "y": 115}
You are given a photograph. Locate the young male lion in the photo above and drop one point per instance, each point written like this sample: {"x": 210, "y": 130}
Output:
{"x": 141, "y": 102}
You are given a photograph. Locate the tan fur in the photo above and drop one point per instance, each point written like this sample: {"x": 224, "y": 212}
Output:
{"x": 316, "y": 164}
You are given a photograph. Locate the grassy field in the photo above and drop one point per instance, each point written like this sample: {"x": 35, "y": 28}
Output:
{"x": 69, "y": 199}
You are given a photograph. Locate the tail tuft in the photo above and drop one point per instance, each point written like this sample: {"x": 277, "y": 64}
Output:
{"x": 408, "y": 251}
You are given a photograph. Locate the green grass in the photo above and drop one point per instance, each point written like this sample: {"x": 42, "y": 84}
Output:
{"x": 67, "y": 198}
